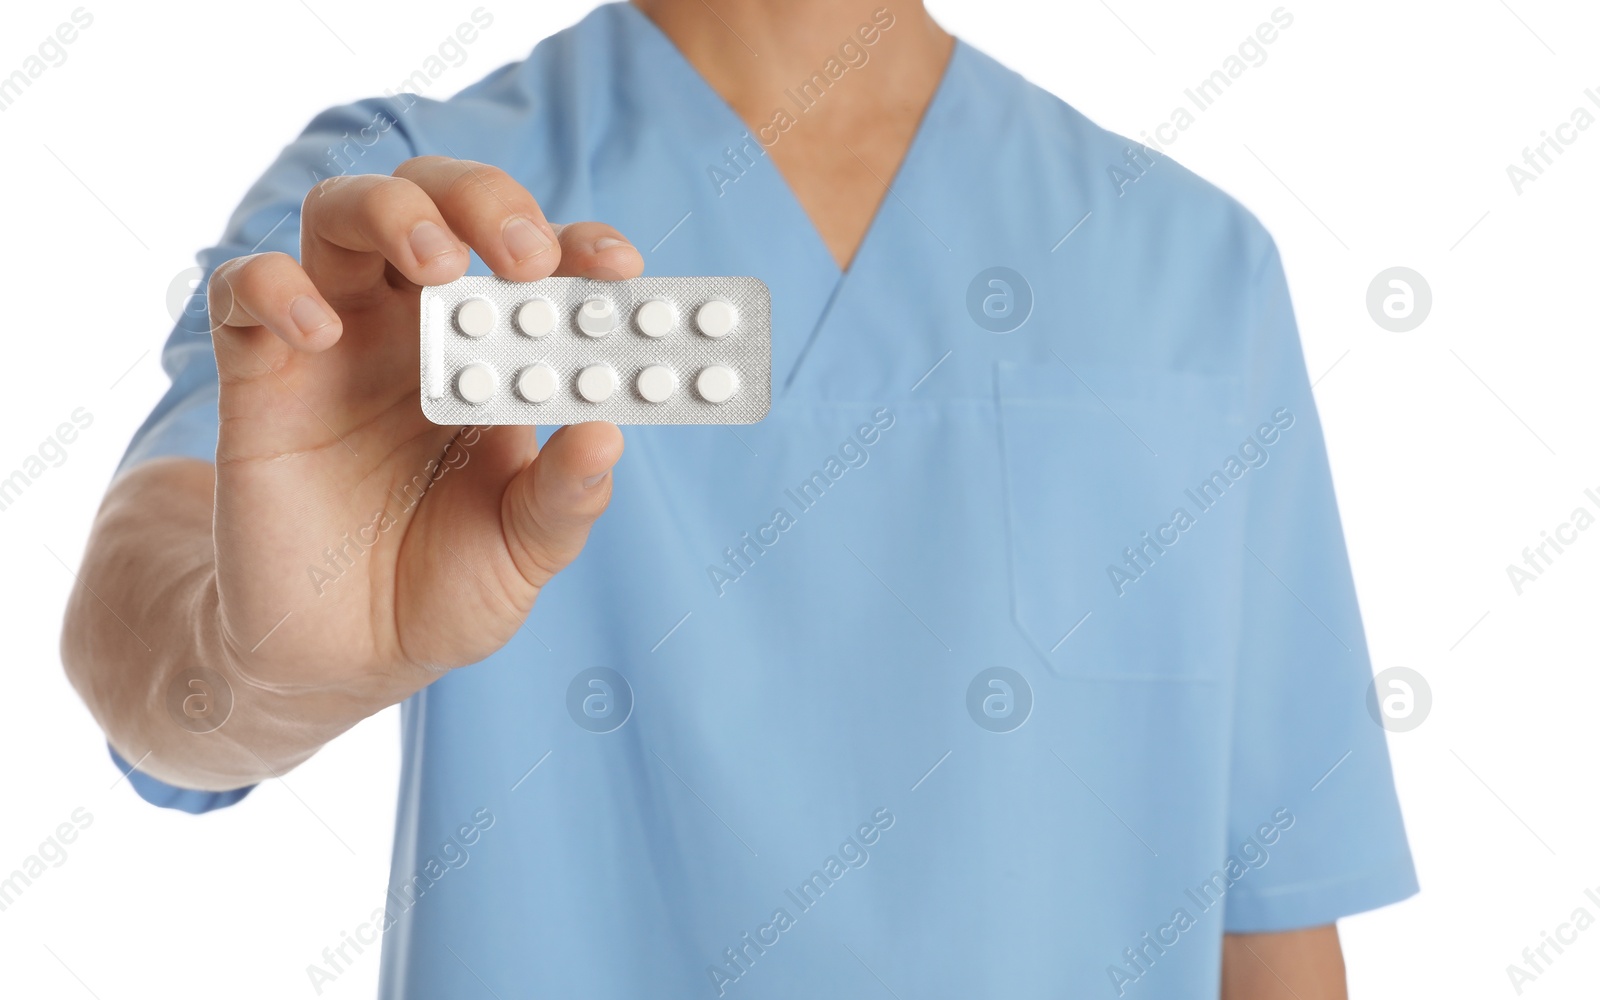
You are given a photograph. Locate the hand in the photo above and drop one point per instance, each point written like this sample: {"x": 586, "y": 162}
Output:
{"x": 397, "y": 548}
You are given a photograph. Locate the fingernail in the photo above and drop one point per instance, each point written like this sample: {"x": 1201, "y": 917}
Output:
{"x": 428, "y": 241}
{"x": 309, "y": 315}
{"x": 523, "y": 239}
{"x": 607, "y": 242}
{"x": 594, "y": 481}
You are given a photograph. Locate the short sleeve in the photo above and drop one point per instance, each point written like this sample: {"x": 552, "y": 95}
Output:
{"x": 368, "y": 137}
{"x": 1310, "y": 781}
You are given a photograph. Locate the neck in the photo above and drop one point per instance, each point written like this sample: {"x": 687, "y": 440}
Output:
{"x": 832, "y": 89}
{"x": 755, "y": 52}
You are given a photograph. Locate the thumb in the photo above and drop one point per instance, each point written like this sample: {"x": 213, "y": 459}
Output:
{"x": 549, "y": 507}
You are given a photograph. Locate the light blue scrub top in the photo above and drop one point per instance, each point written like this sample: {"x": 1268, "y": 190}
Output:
{"x": 1125, "y": 500}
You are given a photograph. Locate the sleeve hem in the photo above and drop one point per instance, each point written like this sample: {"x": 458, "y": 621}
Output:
{"x": 1313, "y": 904}
{"x": 159, "y": 793}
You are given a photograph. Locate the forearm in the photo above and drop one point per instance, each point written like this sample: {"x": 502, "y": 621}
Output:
{"x": 1303, "y": 964}
{"x": 145, "y": 614}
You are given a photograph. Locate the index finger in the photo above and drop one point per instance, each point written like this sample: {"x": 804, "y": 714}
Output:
{"x": 356, "y": 232}
{"x": 494, "y": 214}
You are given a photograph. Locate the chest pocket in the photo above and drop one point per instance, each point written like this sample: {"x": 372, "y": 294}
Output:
{"x": 1125, "y": 550}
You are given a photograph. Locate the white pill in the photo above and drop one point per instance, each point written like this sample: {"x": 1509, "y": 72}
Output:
{"x": 597, "y": 318}
{"x": 717, "y": 383}
{"x": 537, "y": 317}
{"x": 596, "y": 383}
{"x": 537, "y": 383}
{"x": 475, "y": 317}
{"x": 476, "y": 383}
{"x": 657, "y": 383}
{"x": 656, "y": 318}
{"x": 716, "y": 318}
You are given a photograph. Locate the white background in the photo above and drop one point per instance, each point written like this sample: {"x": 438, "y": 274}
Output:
{"x": 1376, "y": 134}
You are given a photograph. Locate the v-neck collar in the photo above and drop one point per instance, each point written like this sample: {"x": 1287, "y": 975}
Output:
{"x": 913, "y": 152}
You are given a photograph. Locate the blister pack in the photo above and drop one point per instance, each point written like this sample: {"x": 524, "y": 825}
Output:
{"x": 565, "y": 350}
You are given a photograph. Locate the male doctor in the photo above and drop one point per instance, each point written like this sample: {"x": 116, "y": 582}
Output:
{"x": 1015, "y": 654}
